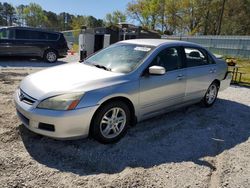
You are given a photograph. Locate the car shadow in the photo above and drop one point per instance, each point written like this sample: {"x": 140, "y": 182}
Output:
{"x": 26, "y": 62}
{"x": 189, "y": 134}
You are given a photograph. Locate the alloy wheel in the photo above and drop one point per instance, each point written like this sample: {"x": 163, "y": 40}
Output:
{"x": 51, "y": 56}
{"x": 211, "y": 94}
{"x": 113, "y": 122}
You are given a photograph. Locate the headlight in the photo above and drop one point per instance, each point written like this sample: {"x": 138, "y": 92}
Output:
{"x": 61, "y": 102}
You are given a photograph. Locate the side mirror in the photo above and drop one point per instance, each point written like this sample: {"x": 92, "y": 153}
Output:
{"x": 157, "y": 70}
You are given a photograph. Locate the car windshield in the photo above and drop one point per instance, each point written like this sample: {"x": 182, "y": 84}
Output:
{"x": 122, "y": 58}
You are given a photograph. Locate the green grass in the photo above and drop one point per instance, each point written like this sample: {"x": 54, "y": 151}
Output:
{"x": 75, "y": 48}
{"x": 244, "y": 67}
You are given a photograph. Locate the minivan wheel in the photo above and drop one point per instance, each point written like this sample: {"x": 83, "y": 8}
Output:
{"x": 211, "y": 95}
{"x": 111, "y": 122}
{"x": 50, "y": 56}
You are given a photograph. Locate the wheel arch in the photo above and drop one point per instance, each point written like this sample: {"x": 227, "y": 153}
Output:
{"x": 50, "y": 48}
{"x": 113, "y": 99}
{"x": 217, "y": 82}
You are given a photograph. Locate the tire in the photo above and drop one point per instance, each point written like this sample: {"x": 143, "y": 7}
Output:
{"x": 110, "y": 123}
{"x": 211, "y": 95}
{"x": 50, "y": 56}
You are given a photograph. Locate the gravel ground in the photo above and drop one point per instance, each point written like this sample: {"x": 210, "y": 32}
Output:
{"x": 191, "y": 147}
{"x": 24, "y": 63}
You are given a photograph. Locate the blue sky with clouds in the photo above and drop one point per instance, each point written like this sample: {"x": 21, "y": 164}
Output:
{"x": 97, "y": 8}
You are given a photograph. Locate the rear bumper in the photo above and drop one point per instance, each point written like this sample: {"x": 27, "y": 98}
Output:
{"x": 56, "y": 124}
{"x": 62, "y": 53}
{"x": 224, "y": 84}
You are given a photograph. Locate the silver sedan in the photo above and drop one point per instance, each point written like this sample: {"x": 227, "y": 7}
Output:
{"x": 125, "y": 83}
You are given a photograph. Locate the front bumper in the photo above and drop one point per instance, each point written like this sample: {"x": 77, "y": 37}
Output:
{"x": 225, "y": 83}
{"x": 55, "y": 124}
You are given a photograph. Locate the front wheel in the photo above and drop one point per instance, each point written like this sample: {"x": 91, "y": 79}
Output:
{"x": 50, "y": 56}
{"x": 111, "y": 122}
{"x": 211, "y": 95}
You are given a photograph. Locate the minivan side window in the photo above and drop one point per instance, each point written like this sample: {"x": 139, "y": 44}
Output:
{"x": 6, "y": 33}
{"x": 168, "y": 58}
{"x": 52, "y": 36}
{"x": 35, "y": 35}
{"x": 21, "y": 34}
{"x": 26, "y": 34}
{"x": 46, "y": 36}
{"x": 195, "y": 57}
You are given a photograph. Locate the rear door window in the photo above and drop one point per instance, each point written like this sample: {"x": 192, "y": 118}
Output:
{"x": 195, "y": 57}
{"x": 53, "y": 36}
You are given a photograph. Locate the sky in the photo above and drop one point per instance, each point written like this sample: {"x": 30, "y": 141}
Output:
{"x": 96, "y": 8}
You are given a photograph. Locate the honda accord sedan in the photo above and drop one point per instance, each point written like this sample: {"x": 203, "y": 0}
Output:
{"x": 125, "y": 83}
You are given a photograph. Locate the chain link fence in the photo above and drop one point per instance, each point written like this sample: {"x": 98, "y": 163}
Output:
{"x": 72, "y": 37}
{"x": 233, "y": 46}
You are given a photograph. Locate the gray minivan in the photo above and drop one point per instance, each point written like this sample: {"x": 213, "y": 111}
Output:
{"x": 33, "y": 42}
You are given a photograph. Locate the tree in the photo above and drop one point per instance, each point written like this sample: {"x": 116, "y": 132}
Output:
{"x": 34, "y": 15}
{"x": 221, "y": 16}
{"x": 137, "y": 10}
{"x": 236, "y": 18}
{"x": 52, "y": 20}
{"x": 115, "y": 18}
{"x": 1, "y": 17}
{"x": 208, "y": 17}
{"x": 93, "y": 22}
{"x": 20, "y": 15}
{"x": 65, "y": 21}
{"x": 7, "y": 14}
{"x": 174, "y": 19}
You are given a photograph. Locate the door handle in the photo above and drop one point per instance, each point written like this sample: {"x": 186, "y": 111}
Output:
{"x": 180, "y": 77}
{"x": 212, "y": 70}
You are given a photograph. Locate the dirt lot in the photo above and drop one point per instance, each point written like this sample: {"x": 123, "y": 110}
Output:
{"x": 191, "y": 147}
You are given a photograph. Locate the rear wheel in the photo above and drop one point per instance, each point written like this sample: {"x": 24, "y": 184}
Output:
{"x": 111, "y": 122}
{"x": 211, "y": 95}
{"x": 50, "y": 56}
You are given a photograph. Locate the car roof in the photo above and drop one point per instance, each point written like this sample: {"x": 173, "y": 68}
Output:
{"x": 30, "y": 28}
{"x": 157, "y": 42}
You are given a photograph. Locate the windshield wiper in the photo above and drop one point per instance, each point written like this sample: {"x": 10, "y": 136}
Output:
{"x": 102, "y": 67}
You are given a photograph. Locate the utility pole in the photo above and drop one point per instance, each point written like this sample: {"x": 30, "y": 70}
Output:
{"x": 162, "y": 12}
{"x": 221, "y": 17}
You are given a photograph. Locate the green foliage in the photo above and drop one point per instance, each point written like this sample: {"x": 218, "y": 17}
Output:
{"x": 34, "y": 15}
{"x": 208, "y": 17}
{"x": 20, "y": 15}
{"x": 7, "y": 14}
{"x": 202, "y": 17}
{"x": 244, "y": 65}
{"x": 115, "y": 18}
{"x": 51, "y": 19}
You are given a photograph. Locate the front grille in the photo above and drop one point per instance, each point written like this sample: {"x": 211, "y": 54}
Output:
{"x": 26, "y": 98}
{"x": 25, "y": 120}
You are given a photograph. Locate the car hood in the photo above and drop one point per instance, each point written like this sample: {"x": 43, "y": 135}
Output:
{"x": 72, "y": 77}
